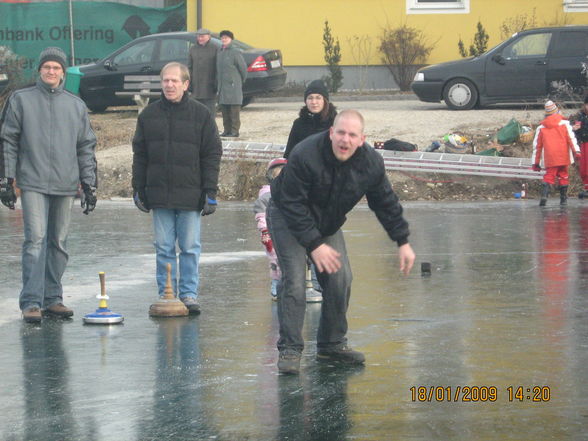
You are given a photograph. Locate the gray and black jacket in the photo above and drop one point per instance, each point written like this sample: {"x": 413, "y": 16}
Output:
{"x": 46, "y": 141}
{"x": 315, "y": 191}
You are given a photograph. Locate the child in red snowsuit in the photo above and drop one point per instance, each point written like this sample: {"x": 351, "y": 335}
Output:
{"x": 554, "y": 148}
{"x": 580, "y": 127}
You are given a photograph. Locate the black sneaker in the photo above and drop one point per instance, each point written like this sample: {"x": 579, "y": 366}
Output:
{"x": 289, "y": 362}
{"x": 342, "y": 354}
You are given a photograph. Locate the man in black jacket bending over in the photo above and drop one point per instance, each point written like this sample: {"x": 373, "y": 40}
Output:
{"x": 176, "y": 161}
{"x": 326, "y": 176}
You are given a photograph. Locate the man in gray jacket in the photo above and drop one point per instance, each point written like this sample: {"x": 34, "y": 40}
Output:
{"x": 202, "y": 66}
{"x": 232, "y": 71}
{"x": 48, "y": 146}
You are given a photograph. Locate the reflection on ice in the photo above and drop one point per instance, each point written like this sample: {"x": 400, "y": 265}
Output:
{"x": 505, "y": 305}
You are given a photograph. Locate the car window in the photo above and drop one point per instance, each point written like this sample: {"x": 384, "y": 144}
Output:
{"x": 139, "y": 53}
{"x": 173, "y": 49}
{"x": 534, "y": 45}
{"x": 571, "y": 44}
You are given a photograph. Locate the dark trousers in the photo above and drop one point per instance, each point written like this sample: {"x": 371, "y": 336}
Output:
{"x": 209, "y": 103}
{"x": 292, "y": 292}
{"x": 231, "y": 118}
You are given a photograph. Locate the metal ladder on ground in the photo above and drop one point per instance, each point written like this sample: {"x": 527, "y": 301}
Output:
{"x": 426, "y": 162}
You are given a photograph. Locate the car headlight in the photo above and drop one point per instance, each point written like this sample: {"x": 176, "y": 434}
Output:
{"x": 419, "y": 76}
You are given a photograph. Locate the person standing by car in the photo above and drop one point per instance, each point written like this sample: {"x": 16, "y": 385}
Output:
{"x": 176, "y": 161}
{"x": 317, "y": 115}
{"x": 48, "y": 146}
{"x": 202, "y": 66}
{"x": 326, "y": 176}
{"x": 232, "y": 71}
{"x": 554, "y": 148}
{"x": 579, "y": 123}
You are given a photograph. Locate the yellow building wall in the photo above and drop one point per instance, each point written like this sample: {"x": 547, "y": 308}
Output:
{"x": 296, "y": 26}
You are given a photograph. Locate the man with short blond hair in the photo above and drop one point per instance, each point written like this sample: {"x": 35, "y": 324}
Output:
{"x": 326, "y": 176}
{"x": 177, "y": 141}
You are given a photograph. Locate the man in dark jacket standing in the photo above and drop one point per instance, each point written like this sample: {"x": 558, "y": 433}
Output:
{"x": 232, "y": 71}
{"x": 202, "y": 66}
{"x": 326, "y": 176}
{"x": 47, "y": 144}
{"x": 176, "y": 161}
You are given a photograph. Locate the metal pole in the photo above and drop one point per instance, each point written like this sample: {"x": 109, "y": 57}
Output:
{"x": 71, "y": 33}
{"x": 198, "y": 14}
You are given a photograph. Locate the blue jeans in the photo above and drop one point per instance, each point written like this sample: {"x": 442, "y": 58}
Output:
{"x": 44, "y": 257}
{"x": 292, "y": 293}
{"x": 183, "y": 227}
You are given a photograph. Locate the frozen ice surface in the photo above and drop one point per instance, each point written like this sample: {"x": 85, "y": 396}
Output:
{"x": 505, "y": 306}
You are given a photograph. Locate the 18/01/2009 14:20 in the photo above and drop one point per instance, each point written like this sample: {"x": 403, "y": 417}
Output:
{"x": 428, "y": 394}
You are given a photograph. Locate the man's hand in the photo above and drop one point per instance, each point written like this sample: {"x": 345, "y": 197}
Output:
{"x": 577, "y": 156}
{"x": 141, "y": 201}
{"x": 536, "y": 167}
{"x": 406, "y": 256}
{"x": 88, "y": 198}
{"x": 209, "y": 206}
{"x": 326, "y": 259}
{"x": 266, "y": 240}
{"x": 7, "y": 193}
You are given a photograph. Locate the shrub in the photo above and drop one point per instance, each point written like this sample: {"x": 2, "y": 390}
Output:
{"x": 332, "y": 56}
{"x": 404, "y": 50}
{"x": 10, "y": 65}
{"x": 480, "y": 44}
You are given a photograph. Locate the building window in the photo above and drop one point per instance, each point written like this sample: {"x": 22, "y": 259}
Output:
{"x": 575, "y": 5}
{"x": 438, "y": 6}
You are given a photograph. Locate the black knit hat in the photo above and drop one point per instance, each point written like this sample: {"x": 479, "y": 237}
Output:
{"x": 228, "y": 34}
{"x": 52, "y": 54}
{"x": 316, "y": 86}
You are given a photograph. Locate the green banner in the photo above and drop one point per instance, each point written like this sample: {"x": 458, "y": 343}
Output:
{"x": 99, "y": 28}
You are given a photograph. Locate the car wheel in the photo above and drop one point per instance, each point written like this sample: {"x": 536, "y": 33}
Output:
{"x": 460, "y": 94}
{"x": 97, "y": 108}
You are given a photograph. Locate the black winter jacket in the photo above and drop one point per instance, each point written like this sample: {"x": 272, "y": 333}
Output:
{"x": 582, "y": 133}
{"x": 307, "y": 124}
{"x": 315, "y": 191}
{"x": 176, "y": 154}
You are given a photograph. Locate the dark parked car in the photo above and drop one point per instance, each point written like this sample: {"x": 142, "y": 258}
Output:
{"x": 525, "y": 68}
{"x": 147, "y": 55}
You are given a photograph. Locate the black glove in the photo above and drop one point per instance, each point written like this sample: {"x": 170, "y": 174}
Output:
{"x": 88, "y": 198}
{"x": 209, "y": 206}
{"x": 7, "y": 193}
{"x": 141, "y": 201}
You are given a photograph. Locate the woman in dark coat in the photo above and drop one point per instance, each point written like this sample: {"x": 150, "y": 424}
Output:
{"x": 231, "y": 74}
{"x": 316, "y": 116}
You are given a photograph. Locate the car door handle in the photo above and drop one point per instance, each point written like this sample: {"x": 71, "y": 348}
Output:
{"x": 541, "y": 63}
{"x": 146, "y": 69}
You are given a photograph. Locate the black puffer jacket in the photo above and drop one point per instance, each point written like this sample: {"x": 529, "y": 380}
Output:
{"x": 315, "y": 191}
{"x": 176, "y": 154}
{"x": 308, "y": 124}
{"x": 582, "y": 133}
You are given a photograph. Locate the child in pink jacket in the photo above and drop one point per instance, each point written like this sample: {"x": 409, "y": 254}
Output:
{"x": 274, "y": 168}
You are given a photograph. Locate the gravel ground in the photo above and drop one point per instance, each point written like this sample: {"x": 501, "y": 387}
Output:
{"x": 402, "y": 117}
